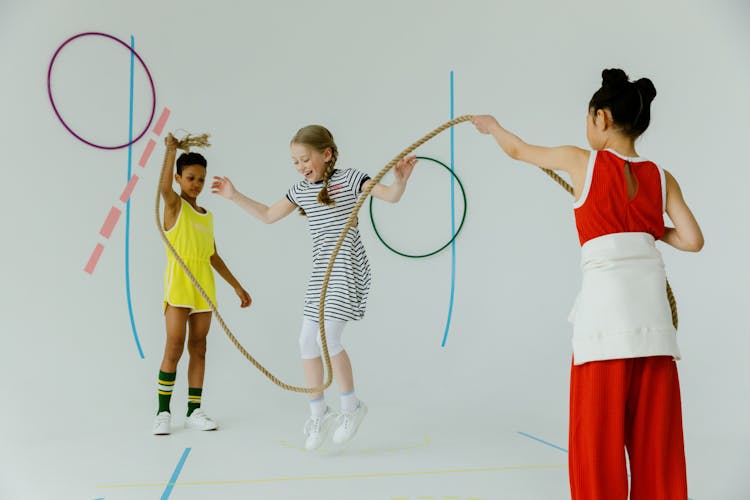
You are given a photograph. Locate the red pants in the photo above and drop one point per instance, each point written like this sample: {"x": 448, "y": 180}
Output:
{"x": 631, "y": 404}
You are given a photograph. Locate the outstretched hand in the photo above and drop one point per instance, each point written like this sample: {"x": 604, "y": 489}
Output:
{"x": 484, "y": 123}
{"x": 404, "y": 168}
{"x": 223, "y": 187}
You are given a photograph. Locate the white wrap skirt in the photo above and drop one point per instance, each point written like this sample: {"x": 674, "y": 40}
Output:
{"x": 622, "y": 310}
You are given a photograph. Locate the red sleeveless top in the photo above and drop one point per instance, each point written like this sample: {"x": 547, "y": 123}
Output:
{"x": 604, "y": 207}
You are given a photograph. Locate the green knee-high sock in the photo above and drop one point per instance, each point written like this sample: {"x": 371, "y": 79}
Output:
{"x": 194, "y": 399}
{"x": 166, "y": 384}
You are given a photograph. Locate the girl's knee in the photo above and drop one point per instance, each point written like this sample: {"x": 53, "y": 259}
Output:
{"x": 333, "y": 343}
{"x": 334, "y": 331}
{"x": 308, "y": 348}
{"x": 173, "y": 352}
{"x": 197, "y": 348}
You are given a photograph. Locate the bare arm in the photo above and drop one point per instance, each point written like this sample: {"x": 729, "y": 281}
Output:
{"x": 392, "y": 194}
{"x": 264, "y": 213}
{"x": 570, "y": 159}
{"x": 218, "y": 264}
{"x": 172, "y": 202}
{"x": 686, "y": 234}
{"x": 171, "y": 198}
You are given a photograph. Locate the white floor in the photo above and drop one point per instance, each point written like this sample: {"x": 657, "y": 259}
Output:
{"x": 260, "y": 456}
{"x": 421, "y": 453}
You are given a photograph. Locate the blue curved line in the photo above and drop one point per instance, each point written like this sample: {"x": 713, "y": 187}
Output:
{"x": 127, "y": 205}
{"x": 453, "y": 231}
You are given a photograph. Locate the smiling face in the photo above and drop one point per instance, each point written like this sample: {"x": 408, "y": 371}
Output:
{"x": 310, "y": 163}
{"x": 191, "y": 180}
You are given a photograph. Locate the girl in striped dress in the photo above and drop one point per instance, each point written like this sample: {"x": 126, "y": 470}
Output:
{"x": 190, "y": 230}
{"x": 624, "y": 389}
{"x": 327, "y": 195}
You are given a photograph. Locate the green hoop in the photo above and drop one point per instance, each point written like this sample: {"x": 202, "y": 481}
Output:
{"x": 460, "y": 226}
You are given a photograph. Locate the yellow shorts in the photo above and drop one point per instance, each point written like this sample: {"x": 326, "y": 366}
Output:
{"x": 179, "y": 291}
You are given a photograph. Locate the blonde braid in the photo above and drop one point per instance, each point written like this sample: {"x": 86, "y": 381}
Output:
{"x": 324, "y": 197}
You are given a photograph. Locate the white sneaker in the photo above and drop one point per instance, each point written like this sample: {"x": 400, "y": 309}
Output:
{"x": 199, "y": 420}
{"x": 317, "y": 428}
{"x": 349, "y": 424}
{"x": 162, "y": 424}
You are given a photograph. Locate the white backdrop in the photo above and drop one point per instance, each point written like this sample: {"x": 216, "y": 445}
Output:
{"x": 377, "y": 75}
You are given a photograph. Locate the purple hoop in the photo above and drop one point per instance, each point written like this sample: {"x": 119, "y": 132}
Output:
{"x": 52, "y": 100}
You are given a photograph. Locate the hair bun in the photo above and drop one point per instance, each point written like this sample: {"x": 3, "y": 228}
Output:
{"x": 614, "y": 77}
{"x": 646, "y": 88}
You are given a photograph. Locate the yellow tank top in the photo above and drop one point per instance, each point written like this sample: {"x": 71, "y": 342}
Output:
{"x": 193, "y": 237}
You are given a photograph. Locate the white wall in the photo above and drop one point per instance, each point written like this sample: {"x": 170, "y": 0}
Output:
{"x": 376, "y": 74}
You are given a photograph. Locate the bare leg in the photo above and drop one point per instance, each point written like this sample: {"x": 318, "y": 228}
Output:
{"x": 176, "y": 320}
{"x": 342, "y": 371}
{"x": 313, "y": 369}
{"x": 199, "y": 325}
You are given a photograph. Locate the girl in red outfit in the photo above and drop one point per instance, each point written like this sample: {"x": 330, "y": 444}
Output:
{"x": 624, "y": 389}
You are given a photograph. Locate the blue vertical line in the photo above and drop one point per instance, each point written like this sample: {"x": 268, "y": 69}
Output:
{"x": 175, "y": 475}
{"x": 453, "y": 228}
{"x": 127, "y": 206}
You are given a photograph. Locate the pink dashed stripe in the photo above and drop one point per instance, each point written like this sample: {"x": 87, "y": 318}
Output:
{"x": 110, "y": 221}
{"x": 159, "y": 127}
{"x": 114, "y": 213}
{"x": 129, "y": 189}
{"x": 147, "y": 152}
{"x": 94, "y": 259}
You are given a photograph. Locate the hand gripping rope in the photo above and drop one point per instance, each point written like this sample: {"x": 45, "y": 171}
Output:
{"x": 202, "y": 141}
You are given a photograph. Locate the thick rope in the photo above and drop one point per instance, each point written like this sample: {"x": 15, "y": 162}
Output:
{"x": 352, "y": 221}
{"x": 201, "y": 141}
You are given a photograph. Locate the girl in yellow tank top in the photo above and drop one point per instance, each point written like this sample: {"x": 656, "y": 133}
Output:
{"x": 192, "y": 235}
{"x": 190, "y": 230}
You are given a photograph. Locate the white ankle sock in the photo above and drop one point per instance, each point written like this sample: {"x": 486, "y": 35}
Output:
{"x": 349, "y": 401}
{"x": 318, "y": 407}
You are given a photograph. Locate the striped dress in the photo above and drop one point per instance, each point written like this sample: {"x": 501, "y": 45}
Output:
{"x": 349, "y": 284}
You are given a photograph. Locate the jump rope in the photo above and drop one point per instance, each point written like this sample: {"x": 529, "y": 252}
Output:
{"x": 202, "y": 141}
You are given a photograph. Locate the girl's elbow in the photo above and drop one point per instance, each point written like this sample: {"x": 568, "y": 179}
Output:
{"x": 388, "y": 197}
{"x": 697, "y": 244}
{"x": 267, "y": 218}
{"x": 271, "y": 218}
{"x": 514, "y": 152}
{"x": 516, "y": 149}
{"x": 694, "y": 244}
{"x": 695, "y": 240}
